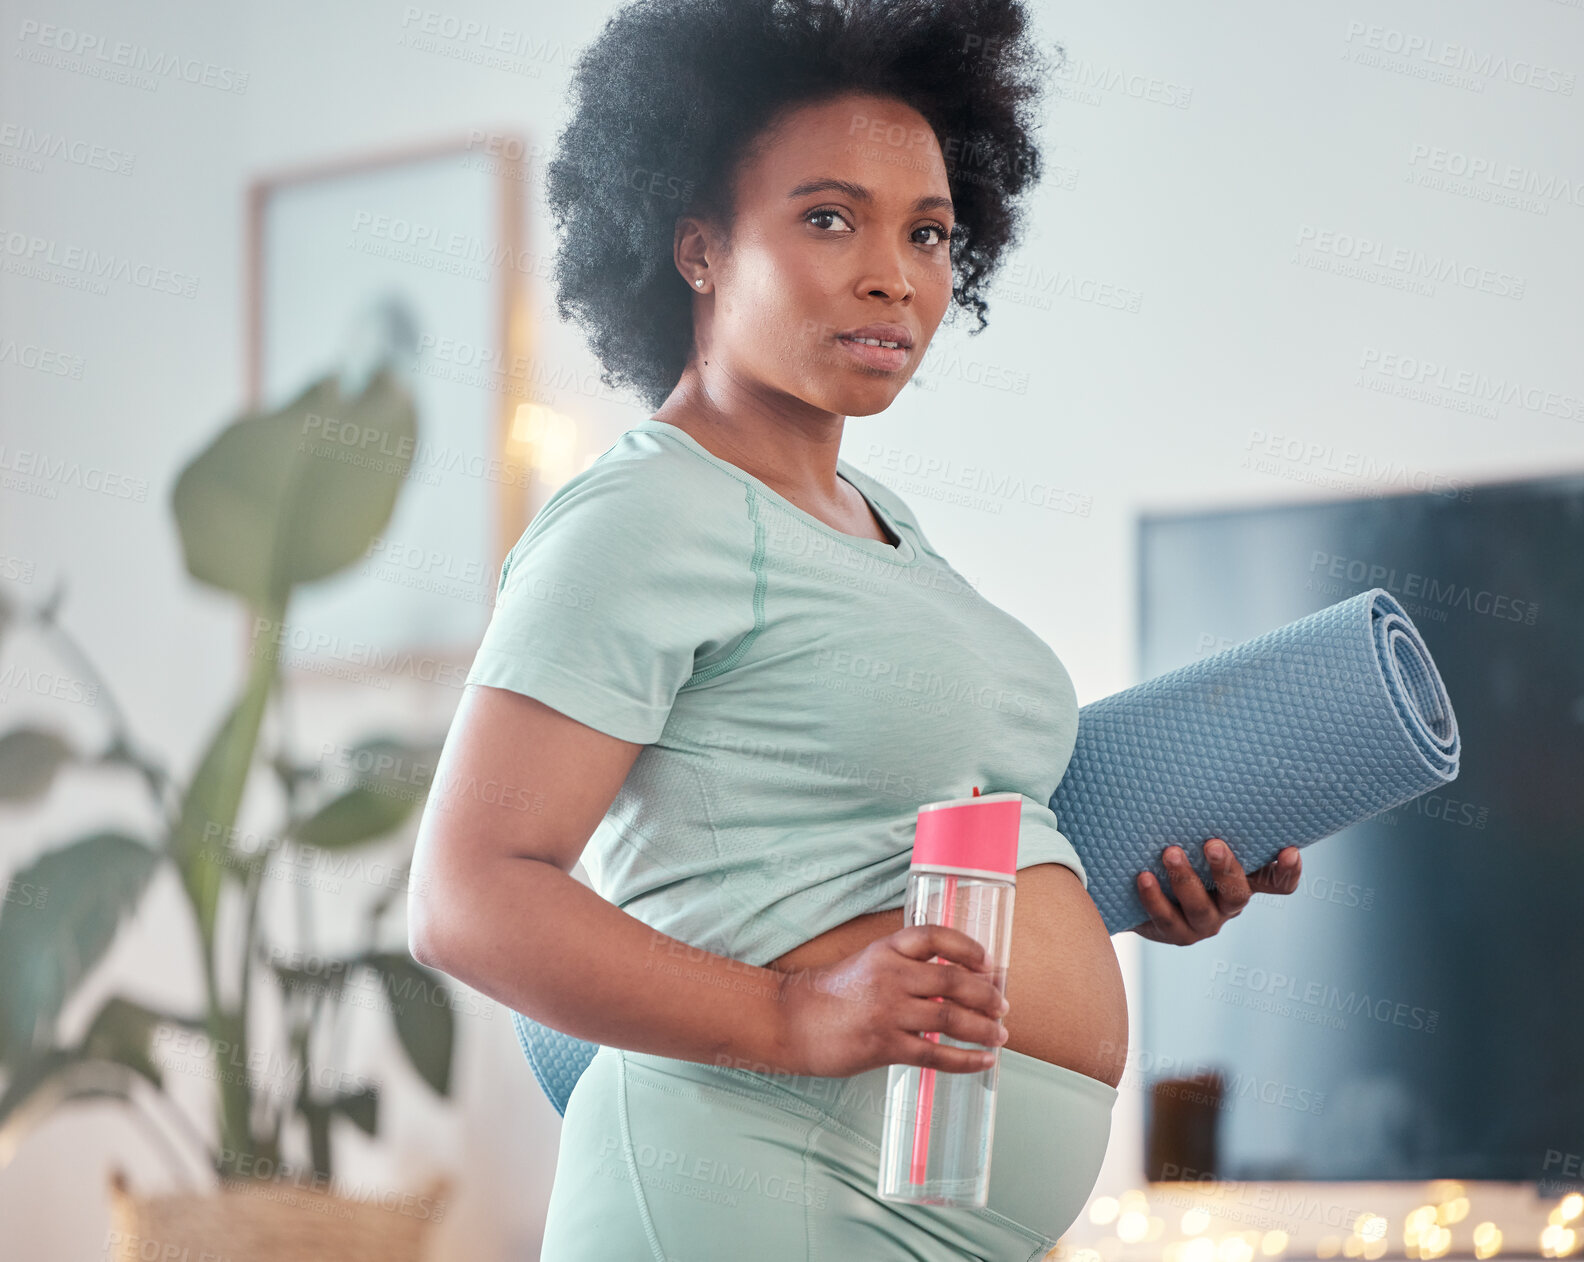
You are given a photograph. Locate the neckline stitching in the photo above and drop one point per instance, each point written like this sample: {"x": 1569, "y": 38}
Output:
{"x": 874, "y": 507}
{"x": 891, "y": 555}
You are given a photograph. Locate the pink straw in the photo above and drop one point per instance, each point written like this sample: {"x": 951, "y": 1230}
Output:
{"x": 926, "y": 1096}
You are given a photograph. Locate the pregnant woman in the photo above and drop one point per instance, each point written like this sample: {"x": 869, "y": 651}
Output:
{"x": 725, "y": 667}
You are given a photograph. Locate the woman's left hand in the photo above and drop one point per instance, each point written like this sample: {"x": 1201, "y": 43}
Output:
{"x": 1197, "y": 913}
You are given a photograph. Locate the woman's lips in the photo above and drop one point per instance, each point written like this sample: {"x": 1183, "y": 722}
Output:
{"x": 889, "y": 358}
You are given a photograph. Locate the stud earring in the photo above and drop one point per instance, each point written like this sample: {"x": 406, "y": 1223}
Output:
{"x": 699, "y": 281}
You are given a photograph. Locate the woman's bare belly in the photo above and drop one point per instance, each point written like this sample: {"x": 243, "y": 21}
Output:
{"x": 1064, "y": 985}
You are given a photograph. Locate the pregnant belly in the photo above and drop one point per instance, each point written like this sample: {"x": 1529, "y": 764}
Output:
{"x": 1068, "y": 1005}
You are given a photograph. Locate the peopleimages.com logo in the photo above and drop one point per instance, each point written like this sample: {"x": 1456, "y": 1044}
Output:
{"x": 1319, "y": 1002}
{"x": 1410, "y": 583}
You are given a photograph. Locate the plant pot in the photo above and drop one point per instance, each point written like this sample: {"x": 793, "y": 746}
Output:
{"x": 265, "y": 1220}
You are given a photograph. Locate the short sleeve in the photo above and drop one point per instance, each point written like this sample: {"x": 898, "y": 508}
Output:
{"x": 632, "y": 577}
{"x": 1042, "y": 841}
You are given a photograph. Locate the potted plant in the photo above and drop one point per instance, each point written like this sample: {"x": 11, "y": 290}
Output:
{"x": 265, "y": 507}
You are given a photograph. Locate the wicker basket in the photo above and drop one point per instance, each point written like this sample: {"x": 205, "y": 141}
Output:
{"x": 270, "y": 1222}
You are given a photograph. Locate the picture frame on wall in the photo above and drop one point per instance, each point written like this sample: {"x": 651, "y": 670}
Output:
{"x": 417, "y": 258}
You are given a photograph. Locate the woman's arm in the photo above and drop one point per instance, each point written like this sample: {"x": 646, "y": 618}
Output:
{"x": 518, "y": 792}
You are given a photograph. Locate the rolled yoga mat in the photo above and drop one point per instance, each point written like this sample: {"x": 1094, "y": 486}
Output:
{"x": 1282, "y": 740}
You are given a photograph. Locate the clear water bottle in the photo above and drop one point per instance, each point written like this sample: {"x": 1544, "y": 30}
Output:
{"x": 935, "y": 1145}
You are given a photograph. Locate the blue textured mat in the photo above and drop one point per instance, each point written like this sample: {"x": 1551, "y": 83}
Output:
{"x": 1282, "y": 740}
{"x": 1279, "y": 741}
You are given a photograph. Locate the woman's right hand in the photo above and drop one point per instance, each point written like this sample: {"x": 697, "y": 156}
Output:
{"x": 868, "y": 1009}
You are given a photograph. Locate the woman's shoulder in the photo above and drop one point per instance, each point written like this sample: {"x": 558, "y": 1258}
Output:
{"x": 638, "y": 527}
{"x": 644, "y": 487}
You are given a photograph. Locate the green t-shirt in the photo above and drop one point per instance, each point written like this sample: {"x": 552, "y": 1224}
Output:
{"x": 799, "y": 692}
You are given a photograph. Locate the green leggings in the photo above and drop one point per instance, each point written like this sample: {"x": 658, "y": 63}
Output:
{"x": 676, "y": 1161}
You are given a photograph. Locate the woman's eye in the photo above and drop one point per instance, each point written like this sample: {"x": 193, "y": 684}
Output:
{"x": 823, "y": 214}
{"x": 942, "y": 235}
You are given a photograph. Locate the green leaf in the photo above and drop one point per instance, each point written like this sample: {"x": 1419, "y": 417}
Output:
{"x": 294, "y": 495}
{"x": 330, "y": 978}
{"x": 391, "y": 779}
{"x": 201, "y": 843}
{"x": 81, "y": 893}
{"x": 316, "y": 1117}
{"x": 421, "y": 1006}
{"x": 123, "y": 1032}
{"x": 358, "y": 815}
{"x": 29, "y": 759}
{"x": 360, "y": 1107}
{"x": 44, "y": 1082}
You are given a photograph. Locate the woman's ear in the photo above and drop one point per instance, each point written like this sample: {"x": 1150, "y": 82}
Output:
{"x": 690, "y": 250}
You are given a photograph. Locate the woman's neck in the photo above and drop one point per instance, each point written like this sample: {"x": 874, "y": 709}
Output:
{"x": 795, "y": 455}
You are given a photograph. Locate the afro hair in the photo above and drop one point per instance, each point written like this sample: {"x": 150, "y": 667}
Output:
{"x": 673, "y": 94}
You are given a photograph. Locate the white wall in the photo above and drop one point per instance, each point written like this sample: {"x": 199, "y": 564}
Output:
{"x": 1230, "y": 216}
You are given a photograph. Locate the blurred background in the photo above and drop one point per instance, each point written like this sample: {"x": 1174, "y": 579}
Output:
{"x": 1296, "y": 314}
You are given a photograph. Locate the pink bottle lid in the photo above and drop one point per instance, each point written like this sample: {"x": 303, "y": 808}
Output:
{"x": 973, "y": 836}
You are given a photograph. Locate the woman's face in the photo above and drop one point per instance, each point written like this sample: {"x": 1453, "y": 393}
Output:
{"x": 842, "y": 216}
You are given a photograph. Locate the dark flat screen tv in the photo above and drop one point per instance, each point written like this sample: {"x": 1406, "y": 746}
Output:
{"x": 1416, "y": 1009}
